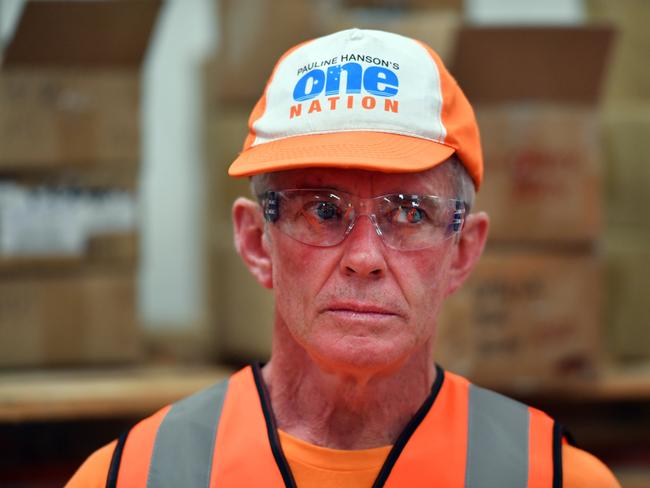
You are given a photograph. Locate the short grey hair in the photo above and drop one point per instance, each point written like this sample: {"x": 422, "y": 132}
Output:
{"x": 462, "y": 185}
{"x": 453, "y": 171}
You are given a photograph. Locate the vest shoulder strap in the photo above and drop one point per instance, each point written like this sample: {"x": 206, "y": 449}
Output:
{"x": 472, "y": 437}
{"x": 184, "y": 440}
{"x": 497, "y": 440}
{"x": 510, "y": 444}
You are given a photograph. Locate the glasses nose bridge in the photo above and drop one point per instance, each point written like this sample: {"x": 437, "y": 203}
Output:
{"x": 364, "y": 207}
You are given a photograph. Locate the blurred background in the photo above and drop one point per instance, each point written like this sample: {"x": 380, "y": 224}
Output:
{"x": 120, "y": 290}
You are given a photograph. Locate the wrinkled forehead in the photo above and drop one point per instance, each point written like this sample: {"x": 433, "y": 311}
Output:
{"x": 435, "y": 181}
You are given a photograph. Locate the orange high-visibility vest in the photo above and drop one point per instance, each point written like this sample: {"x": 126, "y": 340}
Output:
{"x": 225, "y": 436}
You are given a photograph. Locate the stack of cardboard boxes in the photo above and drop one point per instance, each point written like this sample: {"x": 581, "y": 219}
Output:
{"x": 69, "y": 164}
{"x": 532, "y": 310}
{"x": 626, "y": 147}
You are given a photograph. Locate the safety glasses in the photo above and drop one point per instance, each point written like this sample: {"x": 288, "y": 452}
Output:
{"x": 323, "y": 217}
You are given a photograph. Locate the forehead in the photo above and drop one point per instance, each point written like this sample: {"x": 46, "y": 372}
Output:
{"x": 364, "y": 183}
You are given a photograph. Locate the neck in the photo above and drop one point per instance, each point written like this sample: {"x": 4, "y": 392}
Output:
{"x": 341, "y": 408}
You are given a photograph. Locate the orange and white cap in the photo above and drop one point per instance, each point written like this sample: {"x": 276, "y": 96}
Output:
{"x": 360, "y": 99}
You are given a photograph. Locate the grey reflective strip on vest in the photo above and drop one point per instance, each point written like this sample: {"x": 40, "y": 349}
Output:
{"x": 182, "y": 453}
{"x": 497, "y": 441}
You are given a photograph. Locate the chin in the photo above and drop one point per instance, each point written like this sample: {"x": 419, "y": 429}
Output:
{"x": 360, "y": 353}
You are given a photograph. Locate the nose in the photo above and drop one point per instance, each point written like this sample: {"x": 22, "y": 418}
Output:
{"x": 363, "y": 251}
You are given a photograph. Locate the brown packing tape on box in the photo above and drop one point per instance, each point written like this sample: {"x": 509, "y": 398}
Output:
{"x": 543, "y": 172}
{"x": 524, "y": 318}
{"x": 628, "y": 288}
{"x": 51, "y": 118}
{"x": 68, "y": 318}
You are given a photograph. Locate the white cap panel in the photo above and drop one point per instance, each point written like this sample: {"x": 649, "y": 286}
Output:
{"x": 354, "y": 80}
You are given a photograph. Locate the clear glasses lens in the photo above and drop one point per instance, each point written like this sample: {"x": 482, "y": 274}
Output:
{"x": 405, "y": 222}
{"x": 314, "y": 217}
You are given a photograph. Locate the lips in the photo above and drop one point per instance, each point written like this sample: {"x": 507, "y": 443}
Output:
{"x": 360, "y": 308}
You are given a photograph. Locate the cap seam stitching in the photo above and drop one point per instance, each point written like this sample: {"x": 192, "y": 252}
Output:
{"x": 338, "y": 131}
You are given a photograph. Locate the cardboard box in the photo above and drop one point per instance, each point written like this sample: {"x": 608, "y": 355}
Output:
{"x": 629, "y": 76}
{"x": 66, "y": 318}
{"x": 627, "y": 164}
{"x": 69, "y": 90}
{"x": 542, "y": 173}
{"x": 225, "y": 131}
{"x": 243, "y": 308}
{"x": 116, "y": 247}
{"x": 91, "y": 35}
{"x": 54, "y": 118}
{"x": 253, "y": 35}
{"x": 628, "y": 288}
{"x": 535, "y": 92}
{"x": 524, "y": 319}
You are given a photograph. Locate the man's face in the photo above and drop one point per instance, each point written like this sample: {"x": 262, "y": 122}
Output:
{"x": 359, "y": 304}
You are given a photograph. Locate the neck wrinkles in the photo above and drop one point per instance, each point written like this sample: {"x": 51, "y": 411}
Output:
{"x": 335, "y": 409}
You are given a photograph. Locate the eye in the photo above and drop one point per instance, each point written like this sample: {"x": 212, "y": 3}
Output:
{"x": 407, "y": 215}
{"x": 319, "y": 212}
{"x": 326, "y": 210}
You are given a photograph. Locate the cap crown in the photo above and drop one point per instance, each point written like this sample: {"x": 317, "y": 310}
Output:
{"x": 365, "y": 81}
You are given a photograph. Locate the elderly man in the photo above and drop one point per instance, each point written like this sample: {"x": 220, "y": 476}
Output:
{"x": 364, "y": 156}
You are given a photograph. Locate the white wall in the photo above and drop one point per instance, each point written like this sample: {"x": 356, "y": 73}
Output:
{"x": 10, "y": 11}
{"x": 172, "y": 194}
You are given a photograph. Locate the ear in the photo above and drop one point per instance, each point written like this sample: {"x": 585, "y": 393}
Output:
{"x": 468, "y": 249}
{"x": 251, "y": 241}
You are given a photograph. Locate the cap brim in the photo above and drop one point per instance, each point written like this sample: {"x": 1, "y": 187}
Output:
{"x": 374, "y": 151}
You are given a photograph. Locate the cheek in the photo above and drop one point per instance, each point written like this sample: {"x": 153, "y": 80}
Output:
{"x": 299, "y": 272}
{"x": 288, "y": 294}
{"x": 425, "y": 285}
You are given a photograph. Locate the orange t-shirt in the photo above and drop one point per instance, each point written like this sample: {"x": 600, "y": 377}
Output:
{"x": 331, "y": 468}
{"x": 314, "y": 466}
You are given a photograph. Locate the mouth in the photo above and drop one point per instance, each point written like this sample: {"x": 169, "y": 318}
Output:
{"x": 360, "y": 310}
